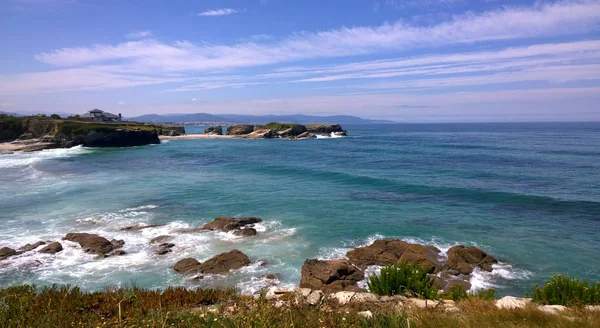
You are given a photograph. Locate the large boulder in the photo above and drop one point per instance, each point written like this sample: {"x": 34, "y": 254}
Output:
{"x": 219, "y": 264}
{"x": 225, "y": 262}
{"x": 240, "y": 129}
{"x": 52, "y": 248}
{"x": 381, "y": 252}
{"x": 424, "y": 256}
{"x": 93, "y": 243}
{"x": 187, "y": 266}
{"x": 214, "y": 130}
{"x": 330, "y": 276}
{"x": 231, "y": 224}
{"x": 466, "y": 259}
{"x": 6, "y": 252}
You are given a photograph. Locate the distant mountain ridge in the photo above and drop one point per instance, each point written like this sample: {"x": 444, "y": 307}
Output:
{"x": 253, "y": 119}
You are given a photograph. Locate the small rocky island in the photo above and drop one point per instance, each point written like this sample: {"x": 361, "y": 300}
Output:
{"x": 38, "y": 133}
{"x": 278, "y": 130}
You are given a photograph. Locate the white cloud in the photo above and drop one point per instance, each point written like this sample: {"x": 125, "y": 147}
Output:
{"x": 219, "y": 12}
{"x": 560, "y": 18}
{"x": 7, "y": 105}
{"x": 121, "y": 103}
{"x": 139, "y": 35}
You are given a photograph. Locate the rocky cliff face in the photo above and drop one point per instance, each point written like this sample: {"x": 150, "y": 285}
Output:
{"x": 44, "y": 133}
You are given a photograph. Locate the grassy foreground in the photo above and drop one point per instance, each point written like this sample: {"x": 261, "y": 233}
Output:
{"x": 25, "y": 306}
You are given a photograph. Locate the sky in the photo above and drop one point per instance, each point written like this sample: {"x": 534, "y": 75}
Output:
{"x": 409, "y": 61}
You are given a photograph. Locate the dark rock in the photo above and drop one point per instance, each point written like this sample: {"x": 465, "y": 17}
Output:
{"x": 324, "y": 128}
{"x": 6, "y": 252}
{"x": 341, "y": 133}
{"x": 225, "y": 262}
{"x": 330, "y": 276}
{"x": 270, "y": 276}
{"x": 262, "y": 263}
{"x": 240, "y": 129}
{"x": 30, "y": 247}
{"x": 118, "y": 252}
{"x": 293, "y": 131}
{"x": 187, "y": 266}
{"x": 424, "y": 256}
{"x": 162, "y": 251}
{"x": 466, "y": 259}
{"x": 444, "y": 280}
{"x": 381, "y": 252}
{"x": 245, "y": 232}
{"x": 164, "y": 248}
{"x": 306, "y": 135}
{"x": 228, "y": 224}
{"x": 140, "y": 227}
{"x": 219, "y": 264}
{"x": 214, "y": 130}
{"x": 93, "y": 243}
{"x": 52, "y": 248}
{"x": 263, "y": 134}
{"x": 160, "y": 239}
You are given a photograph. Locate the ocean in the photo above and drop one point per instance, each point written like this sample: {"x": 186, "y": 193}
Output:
{"x": 527, "y": 193}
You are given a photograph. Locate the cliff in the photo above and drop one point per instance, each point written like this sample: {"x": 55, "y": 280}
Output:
{"x": 35, "y": 133}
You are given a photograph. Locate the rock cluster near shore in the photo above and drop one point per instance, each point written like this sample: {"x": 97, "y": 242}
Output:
{"x": 282, "y": 130}
{"x": 343, "y": 275}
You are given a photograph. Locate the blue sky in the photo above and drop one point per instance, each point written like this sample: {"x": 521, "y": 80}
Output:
{"x": 411, "y": 61}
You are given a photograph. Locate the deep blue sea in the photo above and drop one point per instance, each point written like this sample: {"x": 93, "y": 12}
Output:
{"x": 528, "y": 193}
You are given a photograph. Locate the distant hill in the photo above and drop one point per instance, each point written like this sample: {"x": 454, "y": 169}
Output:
{"x": 253, "y": 119}
{"x": 7, "y": 113}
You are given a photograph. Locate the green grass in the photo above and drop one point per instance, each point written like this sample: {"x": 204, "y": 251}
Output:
{"x": 568, "y": 291}
{"x": 27, "y": 306}
{"x": 407, "y": 279}
{"x": 279, "y": 126}
{"x": 458, "y": 293}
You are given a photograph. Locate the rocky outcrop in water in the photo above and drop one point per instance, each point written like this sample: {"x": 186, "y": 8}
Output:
{"x": 240, "y": 129}
{"x": 220, "y": 264}
{"x": 94, "y": 244}
{"x": 455, "y": 270}
{"x": 381, "y": 252}
{"x": 164, "y": 248}
{"x": 239, "y": 226}
{"x": 52, "y": 248}
{"x": 466, "y": 259}
{"x": 330, "y": 275}
{"x": 38, "y": 133}
{"x": 325, "y": 129}
{"x": 284, "y": 130}
{"x": 214, "y": 130}
{"x": 6, "y": 252}
{"x": 30, "y": 247}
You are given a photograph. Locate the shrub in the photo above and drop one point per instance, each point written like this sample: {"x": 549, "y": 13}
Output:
{"x": 564, "y": 290}
{"x": 55, "y": 116}
{"x": 407, "y": 279}
{"x": 458, "y": 293}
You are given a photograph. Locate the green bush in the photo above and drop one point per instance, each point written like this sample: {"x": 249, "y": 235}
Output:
{"x": 55, "y": 116}
{"x": 409, "y": 279}
{"x": 458, "y": 293}
{"x": 564, "y": 290}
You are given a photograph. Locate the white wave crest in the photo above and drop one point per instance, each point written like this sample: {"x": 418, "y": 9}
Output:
{"x": 18, "y": 159}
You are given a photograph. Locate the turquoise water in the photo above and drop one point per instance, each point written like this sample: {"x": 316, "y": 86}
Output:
{"x": 527, "y": 193}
